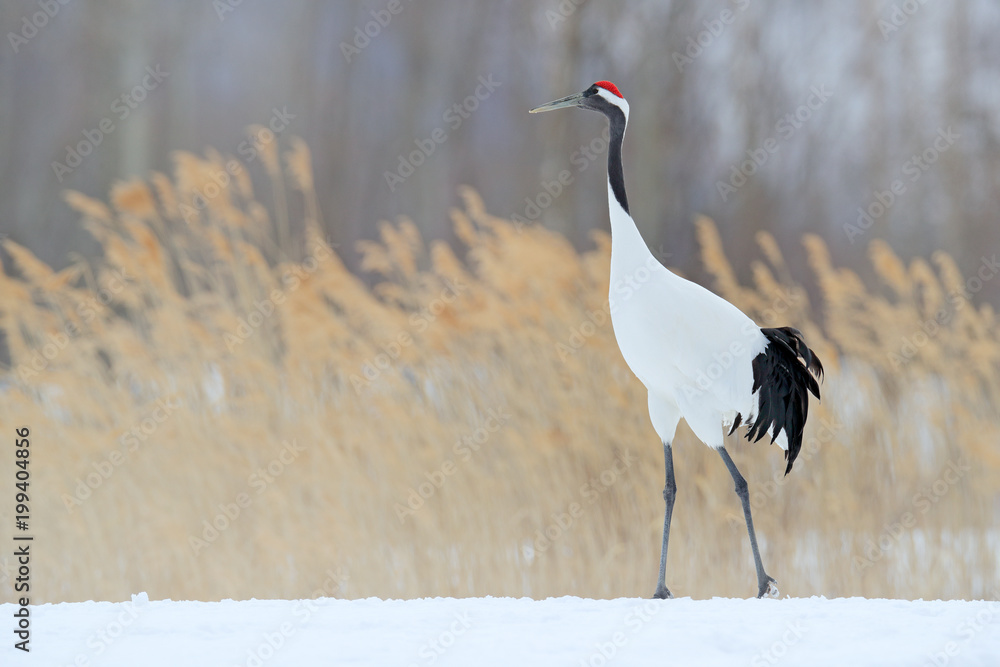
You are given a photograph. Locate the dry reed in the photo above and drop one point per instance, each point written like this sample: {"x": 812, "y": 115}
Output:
{"x": 213, "y": 361}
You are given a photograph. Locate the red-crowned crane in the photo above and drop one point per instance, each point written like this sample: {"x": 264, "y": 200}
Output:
{"x": 698, "y": 355}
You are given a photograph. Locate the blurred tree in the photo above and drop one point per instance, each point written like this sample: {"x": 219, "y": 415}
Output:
{"x": 712, "y": 83}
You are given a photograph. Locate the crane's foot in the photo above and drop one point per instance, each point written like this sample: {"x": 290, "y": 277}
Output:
{"x": 768, "y": 588}
{"x": 662, "y": 593}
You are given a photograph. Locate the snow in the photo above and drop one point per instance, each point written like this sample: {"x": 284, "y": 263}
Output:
{"x": 507, "y": 631}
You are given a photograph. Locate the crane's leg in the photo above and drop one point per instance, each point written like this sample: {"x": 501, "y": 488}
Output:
{"x": 765, "y": 584}
{"x": 669, "y": 492}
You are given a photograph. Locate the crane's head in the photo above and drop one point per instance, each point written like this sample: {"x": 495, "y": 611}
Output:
{"x": 603, "y": 96}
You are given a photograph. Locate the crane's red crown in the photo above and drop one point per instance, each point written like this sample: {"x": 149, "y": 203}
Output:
{"x": 610, "y": 87}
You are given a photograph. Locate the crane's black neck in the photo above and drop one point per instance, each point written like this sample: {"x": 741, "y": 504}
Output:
{"x": 616, "y": 118}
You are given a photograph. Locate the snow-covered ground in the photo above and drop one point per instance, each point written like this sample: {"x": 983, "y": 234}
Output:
{"x": 508, "y": 632}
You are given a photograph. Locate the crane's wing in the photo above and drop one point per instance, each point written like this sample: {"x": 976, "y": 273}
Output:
{"x": 782, "y": 383}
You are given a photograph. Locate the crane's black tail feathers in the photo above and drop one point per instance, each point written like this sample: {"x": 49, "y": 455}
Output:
{"x": 781, "y": 373}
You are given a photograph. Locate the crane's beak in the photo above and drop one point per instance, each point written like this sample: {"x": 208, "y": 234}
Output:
{"x": 570, "y": 101}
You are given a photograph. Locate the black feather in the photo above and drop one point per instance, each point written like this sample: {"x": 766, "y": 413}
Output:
{"x": 736, "y": 423}
{"x": 781, "y": 374}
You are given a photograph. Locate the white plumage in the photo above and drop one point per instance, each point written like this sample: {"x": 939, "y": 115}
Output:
{"x": 694, "y": 356}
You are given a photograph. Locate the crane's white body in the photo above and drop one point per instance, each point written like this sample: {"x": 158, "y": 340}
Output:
{"x": 692, "y": 349}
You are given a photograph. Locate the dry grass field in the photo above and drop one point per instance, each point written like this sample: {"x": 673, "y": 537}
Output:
{"x": 220, "y": 409}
